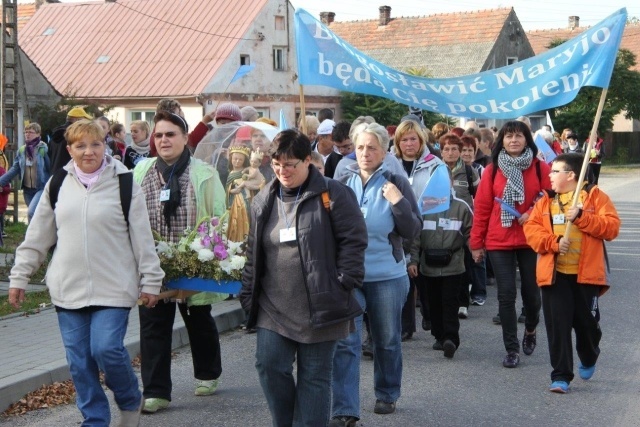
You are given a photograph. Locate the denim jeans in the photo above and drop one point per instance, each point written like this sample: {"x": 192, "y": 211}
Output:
{"x": 31, "y": 199}
{"x": 301, "y": 402}
{"x": 383, "y": 302}
{"x": 504, "y": 268}
{"x": 477, "y": 272}
{"x": 93, "y": 341}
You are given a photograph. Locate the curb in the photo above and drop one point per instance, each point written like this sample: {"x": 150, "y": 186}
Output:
{"x": 13, "y": 388}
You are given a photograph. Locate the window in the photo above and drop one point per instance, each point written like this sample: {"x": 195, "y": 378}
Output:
{"x": 245, "y": 60}
{"x": 146, "y": 115}
{"x": 279, "y": 59}
{"x": 280, "y": 23}
{"x": 512, "y": 60}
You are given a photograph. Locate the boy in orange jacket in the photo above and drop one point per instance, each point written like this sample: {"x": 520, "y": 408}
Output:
{"x": 571, "y": 270}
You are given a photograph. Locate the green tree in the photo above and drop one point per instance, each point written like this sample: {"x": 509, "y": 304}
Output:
{"x": 623, "y": 96}
{"x": 50, "y": 117}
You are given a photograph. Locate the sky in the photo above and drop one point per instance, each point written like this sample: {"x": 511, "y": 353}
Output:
{"x": 533, "y": 14}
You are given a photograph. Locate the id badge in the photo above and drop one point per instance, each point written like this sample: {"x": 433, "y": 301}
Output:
{"x": 558, "y": 219}
{"x": 29, "y": 162}
{"x": 287, "y": 234}
{"x": 444, "y": 223}
{"x": 164, "y": 195}
{"x": 410, "y": 180}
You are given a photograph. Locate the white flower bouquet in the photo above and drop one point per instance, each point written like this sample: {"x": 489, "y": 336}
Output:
{"x": 204, "y": 252}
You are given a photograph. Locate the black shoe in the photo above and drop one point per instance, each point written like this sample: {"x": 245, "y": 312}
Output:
{"x": 343, "y": 421}
{"x": 384, "y": 407}
{"x": 406, "y": 336}
{"x": 523, "y": 316}
{"x": 496, "y": 319}
{"x": 438, "y": 346}
{"x": 367, "y": 348}
{"x": 529, "y": 343}
{"x": 449, "y": 349}
{"x": 511, "y": 360}
{"x": 426, "y": 324}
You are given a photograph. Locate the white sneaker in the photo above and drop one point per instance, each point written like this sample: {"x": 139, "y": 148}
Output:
{"x": 463, "y": 313}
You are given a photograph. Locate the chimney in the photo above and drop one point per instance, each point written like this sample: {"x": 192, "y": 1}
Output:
{"x": 327, "y": 17}
{"x": 385, "y": 15}
{"x": 574, "y": 22}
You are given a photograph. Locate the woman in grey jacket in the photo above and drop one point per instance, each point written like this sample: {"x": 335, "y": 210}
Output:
{"x": 92, "y": 298}
{"x": 305, "y": 256}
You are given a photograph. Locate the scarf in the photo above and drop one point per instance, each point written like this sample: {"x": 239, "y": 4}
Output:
{"x": 88, "y": 179}
{"x": 171, "y": 174}
{"x": 512, "y": 168}
{"x": 30, "y": 147}
{"x": 142, "y": 148}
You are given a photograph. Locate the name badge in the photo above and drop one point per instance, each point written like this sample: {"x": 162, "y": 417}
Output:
{"x": 558, "y": 219}
{"x": 164, "y": 195}
{"x": 444, "y": 223}
{"x": 287, "y": 234}
{"x": 28, "y": 162}
{"x": 364, "y": 212}
{"x": 428, "y": 225}
{"x": 410, "y": 180}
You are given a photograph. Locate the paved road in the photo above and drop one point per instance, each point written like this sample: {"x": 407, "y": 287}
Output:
{"x": 473, "y": 388}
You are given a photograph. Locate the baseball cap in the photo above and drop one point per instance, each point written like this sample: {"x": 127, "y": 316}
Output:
{"x": 78, "y": 113}
{"x": 326, "y": 127}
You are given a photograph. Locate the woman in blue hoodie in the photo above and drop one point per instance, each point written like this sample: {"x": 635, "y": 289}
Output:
{"x": 391, "y": 214}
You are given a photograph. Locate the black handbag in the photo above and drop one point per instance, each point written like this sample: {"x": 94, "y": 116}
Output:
{"x": 438, "y": 257}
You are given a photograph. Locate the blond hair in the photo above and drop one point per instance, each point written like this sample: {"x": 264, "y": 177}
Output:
{"x": 143, "y": 125}
{"x": 78, "y": 130}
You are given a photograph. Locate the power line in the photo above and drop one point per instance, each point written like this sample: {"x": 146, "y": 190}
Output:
{"x": 180, "y": 26}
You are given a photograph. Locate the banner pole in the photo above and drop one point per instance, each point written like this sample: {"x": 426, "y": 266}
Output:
{"x": 587, "y": 153}
{"x": 303, "y": 121}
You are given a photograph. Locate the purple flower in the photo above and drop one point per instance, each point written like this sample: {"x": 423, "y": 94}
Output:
{"x": 202, "y": 228}
{"x": 217, "y": 239}
{"x": 214, "y": 221}
{"x": 206, "y": 241}
{"x": 220, "y": 252}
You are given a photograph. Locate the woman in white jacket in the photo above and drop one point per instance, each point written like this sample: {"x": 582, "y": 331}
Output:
{"x": 100, "y": 266}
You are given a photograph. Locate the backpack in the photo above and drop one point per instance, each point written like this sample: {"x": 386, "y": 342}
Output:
{"x": 126, "y": 190}
{"x": 472, "y": 188}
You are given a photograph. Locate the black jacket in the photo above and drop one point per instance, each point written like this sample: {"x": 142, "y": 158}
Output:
{"x": 58, "y": 153}
{"x": 331, "y": 163}
{"x": 331, "y": 245}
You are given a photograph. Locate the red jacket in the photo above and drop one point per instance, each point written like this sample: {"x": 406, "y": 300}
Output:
{"x": 487, "y": 231}
{"x": 599, "y": 221}
{"x": 4, "y": 196}
{"x": 195, "y": 137}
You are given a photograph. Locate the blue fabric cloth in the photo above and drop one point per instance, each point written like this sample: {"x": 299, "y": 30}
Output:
{"x": 383, "y": 301}
{"x": 306, "y": 400}
{"x": 93, "y": 341}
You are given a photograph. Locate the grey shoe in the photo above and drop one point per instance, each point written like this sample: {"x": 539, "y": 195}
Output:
{"x": 383, "y": 407}
{"x": 131, "y": 418}
{"x": 343, "y": 421}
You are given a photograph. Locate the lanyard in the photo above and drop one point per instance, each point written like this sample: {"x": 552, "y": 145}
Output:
{"x": 284, "y": 213}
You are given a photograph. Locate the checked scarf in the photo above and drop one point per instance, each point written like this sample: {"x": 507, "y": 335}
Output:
{"x": 512, "y": 168}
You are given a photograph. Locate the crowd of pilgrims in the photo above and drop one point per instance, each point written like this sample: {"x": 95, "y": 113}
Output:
{"x": 339, "y": 254}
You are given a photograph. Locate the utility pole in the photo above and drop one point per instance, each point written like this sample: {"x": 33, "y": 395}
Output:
{"x": 10, "y": 85}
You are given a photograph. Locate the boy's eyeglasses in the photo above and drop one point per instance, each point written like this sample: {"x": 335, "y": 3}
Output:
{"x": 289, "y": 167}
{"x": 553, "y": 171}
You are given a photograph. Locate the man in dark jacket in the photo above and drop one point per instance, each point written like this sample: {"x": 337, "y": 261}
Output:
{"x": 58, "y": 144}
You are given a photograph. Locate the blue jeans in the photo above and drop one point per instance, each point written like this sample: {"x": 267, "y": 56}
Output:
{"x": 301, "y": 402}
{"x": 31, "y": 199}
{"x": 93, "y": 341}
{"x": 383, "y": 303}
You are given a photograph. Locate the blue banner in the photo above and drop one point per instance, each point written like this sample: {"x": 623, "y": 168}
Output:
{"x": 544, "y": 148}
{"x": 436, "y": 196}
{"x": 535, "y": 84}
{"x": 242, "y": 71}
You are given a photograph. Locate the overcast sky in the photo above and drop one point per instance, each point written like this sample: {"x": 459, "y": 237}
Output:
{"x": 533, "y": 14}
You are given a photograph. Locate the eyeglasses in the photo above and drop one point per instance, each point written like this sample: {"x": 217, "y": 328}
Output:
{"x": 30, "y": 131}
{"x": 159, "y": 135}
{"x": 288, "y": 167}
{"x": 553, "y": 171}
